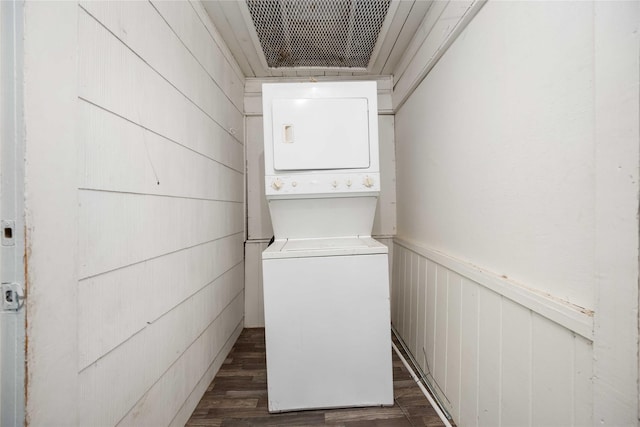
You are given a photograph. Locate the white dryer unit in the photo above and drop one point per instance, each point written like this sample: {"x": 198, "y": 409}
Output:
{"x": 326, "y": 288}
{"x": 321, "y": 158}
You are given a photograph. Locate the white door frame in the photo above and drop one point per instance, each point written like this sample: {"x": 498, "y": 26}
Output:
{"x": 12, "y": 239}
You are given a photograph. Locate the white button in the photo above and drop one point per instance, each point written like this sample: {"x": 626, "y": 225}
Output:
{"x": 277, "y": 184}
{"x": 295, "y": 184}
{"x": 348, "y": 183}
{"x": 368, "y": 182}
{"x": 335, "y": 184}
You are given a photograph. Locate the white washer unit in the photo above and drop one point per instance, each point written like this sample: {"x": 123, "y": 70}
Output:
{"x": 326, "y": 288}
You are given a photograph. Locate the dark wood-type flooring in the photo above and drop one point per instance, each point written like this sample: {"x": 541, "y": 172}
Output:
{"x": 238, "y": 397}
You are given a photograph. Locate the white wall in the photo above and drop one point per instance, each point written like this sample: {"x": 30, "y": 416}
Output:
{"x": 259, "y": 228}
{"x": 517, "y": 182}
{"x": 506, "y": 160}
{"x": 135, "y": 210}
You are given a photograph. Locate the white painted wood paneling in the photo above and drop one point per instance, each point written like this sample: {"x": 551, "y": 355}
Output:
{"x": 516, "y": 383}
{"x": 109, "y": 304}
{"x": 584, "y": 377}
{"x": 135, "y": 210}
{"x": 617, "y": 185}
{"x": 51, "y": 210}
{"x": 441, "y": 326}
{"x": 388, "y": 242}
{"x": 467, "y": 412}
{"x": 412, "y": 295}
{"x": 384, "y": 222}
{"x": 198, "y": 40}
{"x": 134, "y": 367}
{"x": 109, "y": 133}
{"x": 258, "y": 217}
{"x": 215, "y": 12}
{"x": 493, "y": 361}
{"x": 173, "y": 395}
{"x": 421, "y": 312}
{"x": 489, "y": 320}
{"x": 144, "y": 96}
{"x": 431, "y": 309}
{"x": 517, "y": 153}
{"x": 552, "y": 376}
{"x": 166, "y": 53}
{"x": 196, "y": 355}
{"x": 233, "y": 27}
{"x": 121, "y": 222}
{"x": 395, "y": 290}
{"x": 406, "y": 296}
{"x": 454, "y": 334}
{"x": 154, "y": 164}
{"x": 418, "y": 37}
{"x": 402, "y": 292}
{"x": 410, "y": 27}
{"x": 570, "y": 316}
{"x": 254, "y": 296}
{"x": 400, "y": 11}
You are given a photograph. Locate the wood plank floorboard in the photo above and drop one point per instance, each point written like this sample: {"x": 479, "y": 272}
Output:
{"x": 237, "y": 397}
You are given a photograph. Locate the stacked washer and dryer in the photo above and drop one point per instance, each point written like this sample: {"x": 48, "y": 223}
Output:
{"x": 326, "y": 282}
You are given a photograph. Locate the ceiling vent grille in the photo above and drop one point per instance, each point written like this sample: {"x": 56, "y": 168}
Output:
{"x": 318, "y": 33}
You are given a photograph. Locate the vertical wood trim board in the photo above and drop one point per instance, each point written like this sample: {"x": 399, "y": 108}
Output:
{"x": 494, "y": 361}
{"x": 617, "y": 186}
{"x": 254, "y": 300}
{"x": 51, "y": 210}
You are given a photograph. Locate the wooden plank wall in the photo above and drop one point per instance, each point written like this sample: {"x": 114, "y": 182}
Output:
{"x": 161, "y": 210}
{"x": 506, "y": 163}
{"x": 259, "y": 228}
{"x": 493, "y": 360}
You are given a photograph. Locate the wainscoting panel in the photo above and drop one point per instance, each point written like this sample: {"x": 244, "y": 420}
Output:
{"x": 492, "y": 359}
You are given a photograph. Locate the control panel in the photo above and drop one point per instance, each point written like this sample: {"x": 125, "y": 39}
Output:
{"x": 321, "y": 184}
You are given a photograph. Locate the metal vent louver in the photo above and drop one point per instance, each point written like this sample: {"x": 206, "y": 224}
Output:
{"x": 318, "y": 33}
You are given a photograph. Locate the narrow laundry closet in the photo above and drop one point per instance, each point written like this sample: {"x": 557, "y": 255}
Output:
{"x": 458, "y": 179}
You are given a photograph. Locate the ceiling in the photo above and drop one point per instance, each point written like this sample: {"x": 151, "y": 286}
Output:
{"x": 344, "y": 25}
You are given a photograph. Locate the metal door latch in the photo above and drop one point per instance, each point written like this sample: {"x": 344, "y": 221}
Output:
{"x": 12, "y": 296}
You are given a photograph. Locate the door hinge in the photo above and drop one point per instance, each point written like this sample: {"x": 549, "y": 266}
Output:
{"x": 12, "y": 296}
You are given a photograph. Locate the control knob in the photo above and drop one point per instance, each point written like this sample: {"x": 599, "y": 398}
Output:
{"x": 277, "y": 184}
{"x": 368, "y": 182}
